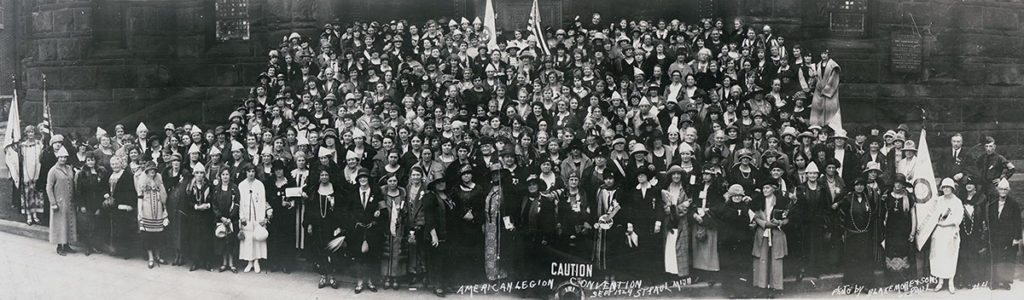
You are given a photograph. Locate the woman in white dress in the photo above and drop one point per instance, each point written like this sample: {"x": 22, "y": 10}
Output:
{"x": 253, "y": 214}
{"x": 946, "y": 238}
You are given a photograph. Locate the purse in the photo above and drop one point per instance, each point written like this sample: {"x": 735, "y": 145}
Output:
{"x": 701, "y": 233}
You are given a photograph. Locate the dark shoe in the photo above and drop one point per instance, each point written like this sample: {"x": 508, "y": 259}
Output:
{"x": 387, "y": 284}
{"x": 285, "y": 270}
{"x": 97, "y": 250}
{"x": 234, "y": 270}
{"x": 193, "y": 268}
{"x": 358, "y": 289}
{"x": 222, "y": 269}
{"x": 334, "y": 283}
{"x": 394, "y": 284}
{"x": 322, "y": 283}
{"x": 161, "y": 261}
{"x": 439, "y": 293}
{"x": 371, "y": 287}
{"x": 151, "y": 264}
{"x": 88, "y": 251}
{"x": 67, "y": 249}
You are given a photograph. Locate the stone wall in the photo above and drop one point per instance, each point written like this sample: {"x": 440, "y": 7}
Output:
{"x": 113, "y": 61}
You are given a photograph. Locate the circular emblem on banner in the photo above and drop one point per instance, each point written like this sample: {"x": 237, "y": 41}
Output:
{"x": 923, "y": 190}
{"x": 569, "y": 291}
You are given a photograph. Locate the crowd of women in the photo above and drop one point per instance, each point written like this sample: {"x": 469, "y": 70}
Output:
{"x": 415, "y": 154}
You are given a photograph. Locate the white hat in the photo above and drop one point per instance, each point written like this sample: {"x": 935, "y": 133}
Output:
{"x": 458, "y": 124}
{"x": 644, "y": 101}
{"x": 464, "y": 20}
{"x": 811, "y": 167}
{"x": 195, "y": 129}
{"x": 351, "y": 155}
{"x": 236, "y": 146}
{"x": 452, "y": 23}
{"x": 267, "y": 150}
{"x": 62, "y": 152}
{"x": 142, "y": 126}
{"x": 1003, "y": 184}
{"x": 199, "y": 167}
{"x": 356, "y": 132}
{"x": 840, "y": 133}
{"x": 873, "y": 166}
{"x": 685, "y": 148}
{"x": 301, "y": 141}
{"x": 294, "y": 35}
{"x": 889, "y": 133}
{"x": 214, "y": 151}
{"x": 169, "y": 126}
{"x": 194, "y": 149}
{"x": 948, "y": 182}
{"x": 325, "y": 152}
{"x": 616, "y": 95}
{"x": 100, "y": 131}
{"x": 477, "y": 21}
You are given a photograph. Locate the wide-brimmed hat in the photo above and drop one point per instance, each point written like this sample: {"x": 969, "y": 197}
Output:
{"x": 909, "y": 146}
{"x": 541, "y": 184}
{"x": 872, "y": 166}
{"x": 638, "y": 148}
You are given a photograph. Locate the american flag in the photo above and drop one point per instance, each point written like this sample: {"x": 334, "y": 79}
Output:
{"x": 47, "y": 125}
{"x": 537, "y": 30}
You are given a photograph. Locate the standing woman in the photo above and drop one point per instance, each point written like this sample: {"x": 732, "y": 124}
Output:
{"x": 970, "y": 269}
{"x": 60, "y": 187}
{"x": 704, "y": 240}
{"x": 734, "y": 240}
{"x": 31, "y": 197}
{"x": 253, "y": 213}
{"x": 812, "y": 203}
{"x": 677, "y": 219}
{"x": 467, "y": 238}
{"x": 322, "y": 223}
{"x": 282, "y": 224}
{"x": 123, "y": 200}
{"x": 225, "y": 198}
{"x": 946, "y": 238}
{"x": 176, "y": 180}
{"x": 363, "y": 241}
{"x": 152, "y": 211}
{"x": 859, "y": 215}
{"x": 90, "y": 187}
{"x": 198, "y": 225}
{"x": 898, "y": 235}
{"x": 438, "y": 208}
{"x": 418, "y": 238}
{"x": 771, "y": 213}
{"x": 393, "y": 265}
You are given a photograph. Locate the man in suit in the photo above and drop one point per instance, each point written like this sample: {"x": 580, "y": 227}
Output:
{"x": 955, "y": 163}
{"x": 1004, "y": 221}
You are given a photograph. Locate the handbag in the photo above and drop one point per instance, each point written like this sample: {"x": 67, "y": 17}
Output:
{"x": 701, "y": 233}
{"x": 222, "y": 230}
{"x": 260, "y": 234}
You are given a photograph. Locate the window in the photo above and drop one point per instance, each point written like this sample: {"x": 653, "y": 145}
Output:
{"x": 232, "y": 20}
{"x": 848, "y": 17}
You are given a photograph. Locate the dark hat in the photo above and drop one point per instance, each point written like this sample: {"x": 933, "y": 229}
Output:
{"x": 433, "y": 184}
{"x": 833, "y": 162}
{"x": 363, "y": 172}
{"x": 646, "y": 171}
{"x": 541, "y": 185}
{"x": 467, "y": 168}
{"x": 859, "y": 181}
{"x": 608, "y": 173}
{"x": 777, "y": 164}
{"x": 901, "y": 179}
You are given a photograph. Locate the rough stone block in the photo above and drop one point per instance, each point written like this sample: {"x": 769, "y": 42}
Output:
{"x": 83, "y": 19}
{"x": 111, "y": 77}
{"x": 47, "y": 50}
{"x": 63, "y": 20}
{"x": 1004, "y": 74}
{"x": 78, "y": 77}
{"x": 42, "y": 21}
{"x": 69, "y": 49}
{"x": 997, "y": 18}
{"x": 972, "y": 17}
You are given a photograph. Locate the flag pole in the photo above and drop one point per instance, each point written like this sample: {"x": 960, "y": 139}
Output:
{"x": 21, "y": 162}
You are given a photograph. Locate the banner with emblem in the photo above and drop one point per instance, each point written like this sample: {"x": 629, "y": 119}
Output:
{"x": 925, "y": 192}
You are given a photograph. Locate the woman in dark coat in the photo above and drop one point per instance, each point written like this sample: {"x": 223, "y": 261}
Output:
{"x": 91, "y": 184}
{"x": 281, "y": 240}
{"x": 199, "y": 223}
{"x": 860, "y": 217}
{"x": 898, "y": 233}
{"x": 438, "y": 208}
{"x": 176, "y": 180}
{"x": 124, "y": 226}
{"x": 1003, "y": 217}
{"x": 323, "y": 224}
{"x": 466, "y": 235}
{"x": 225, "y": 208}
{"x": 734, "y": 241}
{"x": 972, "y": 258}
{"x": 364, "y": 210}
{"x": 812, "y": 202}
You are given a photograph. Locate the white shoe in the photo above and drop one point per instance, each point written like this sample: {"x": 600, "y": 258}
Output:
{"x": 247, "y": 269}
